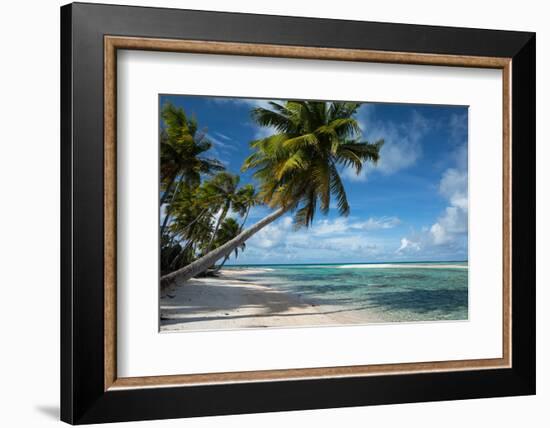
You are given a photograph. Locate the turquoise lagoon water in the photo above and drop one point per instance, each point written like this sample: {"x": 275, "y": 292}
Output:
{"x": 388, "y": 292}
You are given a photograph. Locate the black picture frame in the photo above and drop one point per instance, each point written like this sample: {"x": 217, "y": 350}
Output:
{"x": 83, "y": 399}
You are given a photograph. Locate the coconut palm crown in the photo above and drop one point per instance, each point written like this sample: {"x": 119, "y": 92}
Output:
{"x": 182, "y": 148}
{"x": 298, "y": 167}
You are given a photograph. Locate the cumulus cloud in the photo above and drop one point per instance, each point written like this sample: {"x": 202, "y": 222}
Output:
{"x": 450, "y": 229}
{"x": 454, "y": 221}
{"x": 454, "y": 185}
{"x": 273, "y": 235}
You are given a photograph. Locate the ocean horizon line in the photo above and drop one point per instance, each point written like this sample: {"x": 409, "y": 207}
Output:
{"x": 346, "y": 263}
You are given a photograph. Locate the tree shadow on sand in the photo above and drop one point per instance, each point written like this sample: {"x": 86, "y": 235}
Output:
{"x": 183, "y": 305}
{"x": 185, "y": 301}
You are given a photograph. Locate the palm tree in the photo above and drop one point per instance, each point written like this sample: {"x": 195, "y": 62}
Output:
{"x": 181, "y": 149}
{"x": 297, "y": 167}
{"x": 228, "y": 230}
{"x": 190, "y": 227}
{"x": 195, "y": 225}
{"x": 247, "y": 198}
{"x": 223, "y": 188}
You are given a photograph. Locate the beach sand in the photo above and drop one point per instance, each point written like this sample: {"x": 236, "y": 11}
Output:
{"x": 233, "y": 301}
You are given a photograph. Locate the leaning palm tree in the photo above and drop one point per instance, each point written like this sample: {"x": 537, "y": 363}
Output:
{"x": 200, "y": 216}
{"x": 188, "y": 206}
{"x": 297, "y": 167}
{"x": 186, "y": 230}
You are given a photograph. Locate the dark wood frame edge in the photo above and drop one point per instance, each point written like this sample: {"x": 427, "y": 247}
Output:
{"x": 83, "y": 396}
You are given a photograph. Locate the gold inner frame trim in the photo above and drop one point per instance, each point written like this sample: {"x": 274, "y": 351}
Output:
{"x": 113, "y": 43}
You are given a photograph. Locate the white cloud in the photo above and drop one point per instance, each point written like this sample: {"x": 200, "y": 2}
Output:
{"x": 408, "y": 246}
{"x": 223, "y": 136}
{"x": 454, "y": 184}
{"x": 335, "y": 239}
{"x": 343, "y": 224}
{"x": 325, "y": 227}
{"x": 273, "y": 235}
{"x": 454, "y": 221}
{"x": 219, "y": 144}
{"x": 451, "y": 228}
{"x": 286, "y": 222}
{"x": 439, "y": 234}
{"x": 254, "y": 102}
{"x": 374, "y": 223}
{"x": 454, "y": 187}
{"x": 347, "y": 243}
{"x": 461, "y": 157}
{"x": 458, "y": 126}
{"x": 401, "y": 147}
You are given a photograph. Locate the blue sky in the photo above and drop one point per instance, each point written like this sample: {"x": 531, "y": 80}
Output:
{"x": 412, "y": 206}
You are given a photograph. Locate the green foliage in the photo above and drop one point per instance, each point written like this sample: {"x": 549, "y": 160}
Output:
{"x": 229, "y": 229}
{"x": 198, "y": 217}
{"x": 298, "y": 166}
{"x": 181, "y": 150}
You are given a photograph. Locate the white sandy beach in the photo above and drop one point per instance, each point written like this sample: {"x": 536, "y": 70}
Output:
{"x": 233, "y": 301}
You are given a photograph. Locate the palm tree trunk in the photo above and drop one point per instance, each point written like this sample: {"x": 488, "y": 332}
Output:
{"x": 164, "y": 223}
{"x": 200, "y": 265}
{"x": 245, "y": 218}
{"x": 167, "y": 216}
{"x": 184, "y": 231}
{"x": 180, "y": 255}
{"x": 220, "y": 221}
{"x": 218, "y": 268}
{"x": 167, "y": 191}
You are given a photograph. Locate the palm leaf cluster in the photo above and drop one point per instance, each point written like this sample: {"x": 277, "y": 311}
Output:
{"x": 299, "y": 165}
{"x": 197, "y": 194}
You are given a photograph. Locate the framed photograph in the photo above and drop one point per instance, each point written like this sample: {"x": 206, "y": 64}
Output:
{"x": 267, "y": 213}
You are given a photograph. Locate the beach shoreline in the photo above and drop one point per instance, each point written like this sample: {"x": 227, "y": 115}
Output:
{"x": 310, "y": 296}
{"x": 232, "y": 300}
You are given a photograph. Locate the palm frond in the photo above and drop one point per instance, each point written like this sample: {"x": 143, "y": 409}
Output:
{"x": 338, "y": 190}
